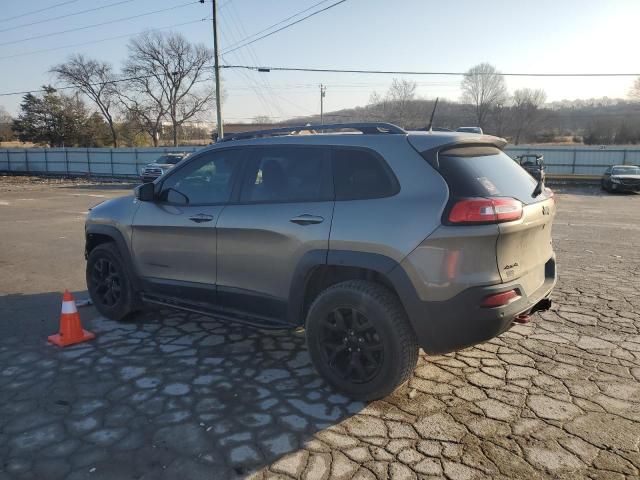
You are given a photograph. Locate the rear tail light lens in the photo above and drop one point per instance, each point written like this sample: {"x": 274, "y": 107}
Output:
{"x": 500, "y": 299}
{"x": 485, "y": 210}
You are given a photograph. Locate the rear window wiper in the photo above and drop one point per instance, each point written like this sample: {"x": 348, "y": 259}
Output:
{"x": 538, "y": 190}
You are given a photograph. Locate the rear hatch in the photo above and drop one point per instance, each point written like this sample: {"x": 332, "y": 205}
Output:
{"x": 487, "y": 187}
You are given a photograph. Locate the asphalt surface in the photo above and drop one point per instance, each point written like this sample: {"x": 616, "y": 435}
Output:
{"x": 175, "y": 395}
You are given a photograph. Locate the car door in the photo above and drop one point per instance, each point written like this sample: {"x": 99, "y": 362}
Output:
{"x": 174, "y": 236}
{"x": 282, "y": 217}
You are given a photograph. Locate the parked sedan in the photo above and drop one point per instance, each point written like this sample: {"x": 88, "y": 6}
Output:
{"x": 621, "y": 178}
{"x": 166, "y": 162}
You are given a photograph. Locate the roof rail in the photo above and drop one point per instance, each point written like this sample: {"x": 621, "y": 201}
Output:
{"x": 365, "y": 128}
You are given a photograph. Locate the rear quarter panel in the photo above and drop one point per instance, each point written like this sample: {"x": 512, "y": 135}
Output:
{"x": 391, "y": 226}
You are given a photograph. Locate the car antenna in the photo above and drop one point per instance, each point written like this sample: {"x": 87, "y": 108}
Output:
{"x": 433, "y": 112}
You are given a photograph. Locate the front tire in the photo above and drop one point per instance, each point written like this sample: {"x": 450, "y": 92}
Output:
{"x": 108, "y": 282}
{"x": 360, "y": 340}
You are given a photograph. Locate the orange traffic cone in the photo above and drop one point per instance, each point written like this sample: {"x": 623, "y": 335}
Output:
{"x": 71, "y": 330}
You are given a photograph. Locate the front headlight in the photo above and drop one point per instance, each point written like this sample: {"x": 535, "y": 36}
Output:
{"x": 615, "y": 180}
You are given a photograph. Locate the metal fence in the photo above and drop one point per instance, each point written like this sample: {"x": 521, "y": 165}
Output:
{"x": 114, "y": 162}
{"x": 572, "y": 160}
{"x": 126, "y": 162}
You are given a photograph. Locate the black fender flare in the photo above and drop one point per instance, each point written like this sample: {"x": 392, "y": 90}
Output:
{"x": 123, "y": 248}
{"x": 344, "y": 258}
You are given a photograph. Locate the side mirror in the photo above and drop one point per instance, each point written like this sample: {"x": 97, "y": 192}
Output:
{"x": 145, "y": 192}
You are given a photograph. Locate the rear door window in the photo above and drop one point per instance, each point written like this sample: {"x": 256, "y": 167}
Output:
{"x": 287, "y": 174}
{"x": 486, "y": 172}
{"x": 360, "y": 174}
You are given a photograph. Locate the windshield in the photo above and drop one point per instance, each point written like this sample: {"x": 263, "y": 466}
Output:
{"x": 626, "y": 171}
{"x": 486, "y": 172}
{"x": 169, "y": 159}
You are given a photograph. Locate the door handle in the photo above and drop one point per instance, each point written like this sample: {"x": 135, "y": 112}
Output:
{"x": 307, "y": 219}
{"x": 201, "y": 217}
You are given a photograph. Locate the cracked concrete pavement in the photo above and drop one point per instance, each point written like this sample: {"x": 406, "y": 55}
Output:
{"x": 177, "y": 395}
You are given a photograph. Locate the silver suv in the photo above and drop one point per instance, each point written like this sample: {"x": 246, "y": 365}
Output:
{"x": 377, "y": 242}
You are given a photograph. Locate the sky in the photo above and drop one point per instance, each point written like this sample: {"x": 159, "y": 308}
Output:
{"x": 549, "y": 36}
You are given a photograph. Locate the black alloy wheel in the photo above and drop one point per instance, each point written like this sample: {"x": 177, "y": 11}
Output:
{"x": 352, "y": 346}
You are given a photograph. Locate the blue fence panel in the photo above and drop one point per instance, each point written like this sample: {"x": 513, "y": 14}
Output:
{"x": 579, "y": 160}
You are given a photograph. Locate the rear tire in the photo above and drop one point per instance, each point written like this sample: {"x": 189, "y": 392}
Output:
{"x": 360, "y": 340}
{"x": 108, "y": 282}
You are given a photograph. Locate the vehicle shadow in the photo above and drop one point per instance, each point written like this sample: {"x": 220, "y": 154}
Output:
{"x": 167, "y": 394}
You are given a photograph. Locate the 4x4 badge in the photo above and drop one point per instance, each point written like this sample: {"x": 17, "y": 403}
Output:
{"x": 546, "y": 210}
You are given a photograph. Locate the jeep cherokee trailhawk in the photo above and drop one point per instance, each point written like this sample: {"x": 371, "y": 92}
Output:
{"x": 375, "y": 240}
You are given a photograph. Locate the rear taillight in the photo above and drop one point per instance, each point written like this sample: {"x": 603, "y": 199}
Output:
{"x": 485, "y": 210}
{"x": 500, "y": 299}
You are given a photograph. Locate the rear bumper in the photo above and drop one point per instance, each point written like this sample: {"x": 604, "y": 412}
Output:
{"x": 460, "y": 322}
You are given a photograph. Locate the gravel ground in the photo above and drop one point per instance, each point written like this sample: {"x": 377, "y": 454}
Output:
{"x": 175, "y": 395}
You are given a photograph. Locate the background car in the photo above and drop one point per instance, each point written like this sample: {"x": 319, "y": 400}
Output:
{"x": 533, "y": 163}
{"x": 477, "y": 130}
{"x": 166, "y": 162}
{"x": 621, "y": 178}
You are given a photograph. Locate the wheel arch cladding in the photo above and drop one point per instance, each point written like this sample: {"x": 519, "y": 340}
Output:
{"x": 99, "y": 234}
{"x": 321, "y": 269}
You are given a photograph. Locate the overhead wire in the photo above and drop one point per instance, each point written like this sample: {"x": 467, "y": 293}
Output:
{"x": 109, "y": 22}
{"x": 416, "y": 72}
{"x": 91, "y": 42}
{"x": 227, "y": 35}
{"x": 51, "y": 19}
{"x": 284, "y": 27}
{"x": 33, "y": 12}
{"x": 263, "y": 80}
{"x": 277, "y": 23}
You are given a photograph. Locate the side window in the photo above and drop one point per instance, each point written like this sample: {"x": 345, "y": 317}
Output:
{"x": 287, "y": 174}
{"x": 361, "y": 174}
{"x": 205, "y": 180}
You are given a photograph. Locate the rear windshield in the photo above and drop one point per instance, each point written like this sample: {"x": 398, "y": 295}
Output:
{"x": 486, "y": 172}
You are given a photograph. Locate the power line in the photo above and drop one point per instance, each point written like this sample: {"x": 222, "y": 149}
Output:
{"x": 96, "y": 84}
{"x": 283, "y": 27}
{"x": 12, "y": 42}
{"x": 401, "y": 72}
{"x": 252, "y": 53}
{"x": 276, "y": 24}
{"x": 115, "y": 37}
{"x": 38, "y": 11}
{"x": 64, "y": 16}
{"x": 301, "y": 69}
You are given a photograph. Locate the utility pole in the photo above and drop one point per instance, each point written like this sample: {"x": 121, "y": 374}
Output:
{"x": 217, "y": 71}
{"x": 323, "y": 92}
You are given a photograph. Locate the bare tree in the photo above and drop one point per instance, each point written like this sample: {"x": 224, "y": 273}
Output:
{"x": 145, "y": 107}
{"x": 526, "y": 109}
{"x": 401, "y": 91}
{"x": 262, "y": 120}
{"x": 94, "y": 79}
{"x": 6, "y": 132}
{"x": 484, "y": 88}
{"x": 634, "y": 93}
{"x": 164, "y": 69}
{"x": 400, "y": 97}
